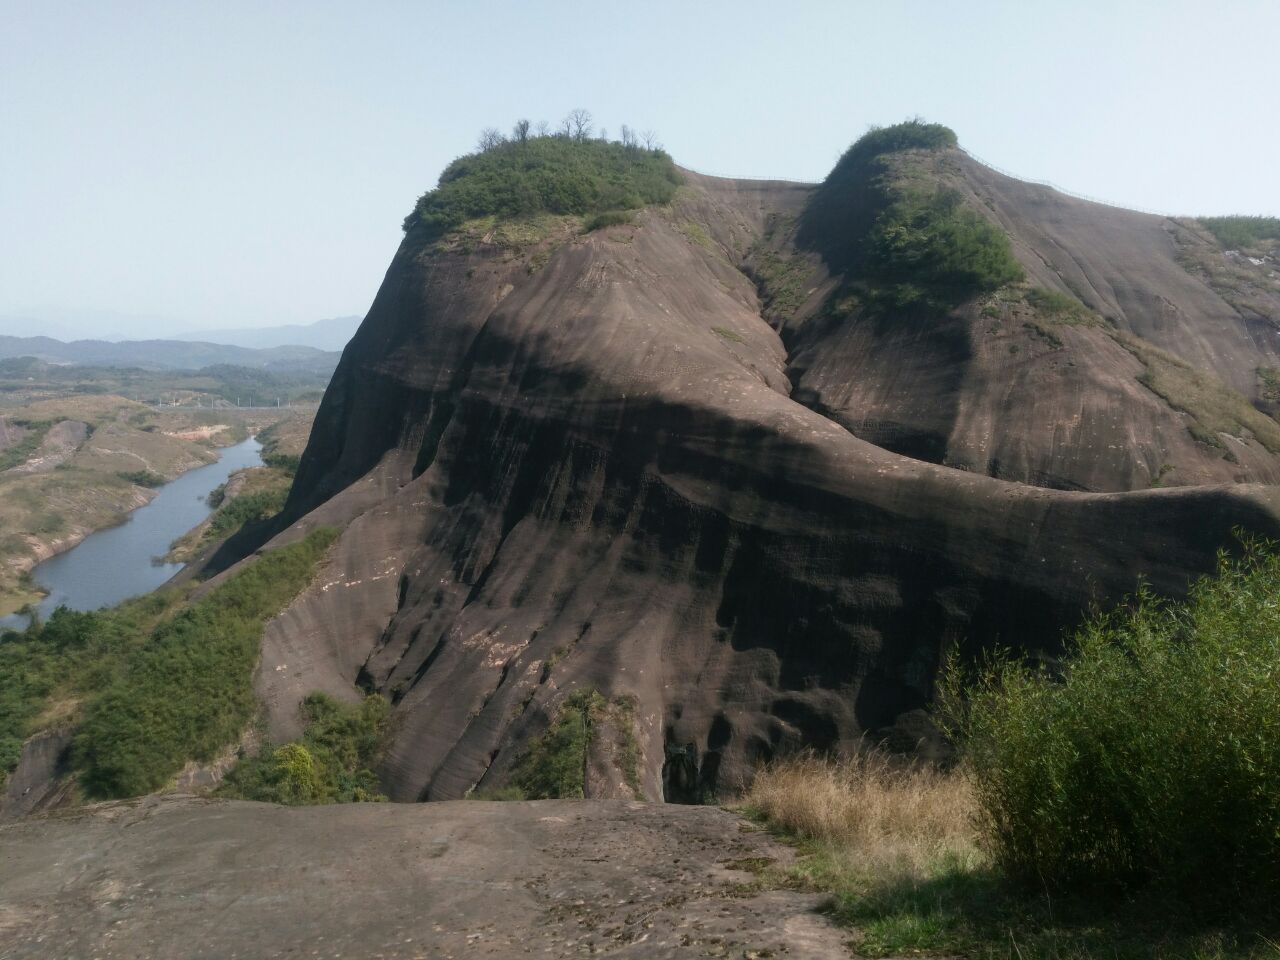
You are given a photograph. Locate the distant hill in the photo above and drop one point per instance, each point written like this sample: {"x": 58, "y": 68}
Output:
{"x": 167, "y": 354}
{"x": 331, "y": 334}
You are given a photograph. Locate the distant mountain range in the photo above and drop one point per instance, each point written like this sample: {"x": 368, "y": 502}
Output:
{"x": 331, "y": 334}
{"x": 168, "y": 354}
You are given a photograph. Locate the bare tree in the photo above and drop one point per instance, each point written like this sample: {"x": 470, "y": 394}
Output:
{"x": 650, "y": 140}
{"x": 628, "y": 136}
{"x": 604, "y": 134}
{"x": 566, "y": 128}
{"x": 543, "y": 128}
{"x": 520, "y": 132}
{"x": 578, "y": 122}
{"x": 489, "y": 139}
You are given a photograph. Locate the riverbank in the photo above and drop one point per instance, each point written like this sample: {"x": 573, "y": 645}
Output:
{"x": 75, "y": 465}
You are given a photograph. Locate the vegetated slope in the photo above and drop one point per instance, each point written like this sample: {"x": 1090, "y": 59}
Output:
{"x": 571, "y": 462}
{"x": 1115, "y": 363}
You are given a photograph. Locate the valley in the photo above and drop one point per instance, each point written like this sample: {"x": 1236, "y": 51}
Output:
{"x": 713, "y": 551}
{"x": 78, "y": 453}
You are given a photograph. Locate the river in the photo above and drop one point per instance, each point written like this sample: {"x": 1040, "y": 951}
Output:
{"x": 121, "y": 562}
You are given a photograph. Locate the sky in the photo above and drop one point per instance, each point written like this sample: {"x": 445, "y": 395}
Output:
{"x": 175, "y": 165}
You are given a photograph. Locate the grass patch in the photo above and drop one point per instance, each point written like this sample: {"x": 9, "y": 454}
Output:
{"x": 696, "y": 233}
{"x": 1060, "y": 308}
{"x": 186, "y": 692}
{"x": 248, "y": 507}
{"x": 782, "y": 281}
{"x": 1214, "y": 407}
{"x": 727, "y": 334}
{"x": 556, "y": 175}
{"x": 1269, "y": 384}
{"x": 1242, "y": 233}
{"x": 897, "y": 848}
{"x": 332, "y": 762}
{"x": 285, "y": 462}
{"x": 607, "y": 218}
{"x": 143, "y": 478}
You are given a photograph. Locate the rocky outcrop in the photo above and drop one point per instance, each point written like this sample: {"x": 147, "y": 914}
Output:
{"x": 591, "y": 462}
{"x": 59, "y": 444}
{"x": 181, "y": 877}
{"x": 39, "y": 781}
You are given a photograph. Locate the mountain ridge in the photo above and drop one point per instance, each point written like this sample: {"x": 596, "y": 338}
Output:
{"x": 330, "y": 334}
{"x": 666, "y": 460}
{"x": 165, "y": 354}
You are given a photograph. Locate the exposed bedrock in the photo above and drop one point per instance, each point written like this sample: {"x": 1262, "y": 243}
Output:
{"x": 591, "y": 474}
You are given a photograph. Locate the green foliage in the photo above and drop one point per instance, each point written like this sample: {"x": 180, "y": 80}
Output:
{"x": 246, "y": 508}
{"x": 1242, "y": 233}
{"x": 1269, "y": 384}
{"x": 288, "y": 462}
{"x": 217, "y": 496}
{"x": 555, "y": 765}
{"x": 783, "y": 282}
{"x": 28, "y": 674}
{"x": 143, "y": 478}
{"x": 187, "y": 691}
{"x": 900, "y": 236}
{"x": 1058, "y": 307}
{"x": 331, "y": 763}
{"x": 607, "y": 218}
{"x": 914, "y": 134}
{"x": 73, "y": 654}
{"x": 928, "y": 245}
{"x": 964, "y": 909}
{"x": 1153, "y": 760}
{"x": 501, "y": 794}
{"x": 296, "y": 773}
{"x": 555, "y": 175}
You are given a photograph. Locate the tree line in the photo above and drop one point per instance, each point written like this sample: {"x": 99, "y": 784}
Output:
{"x": 578, "y": 125}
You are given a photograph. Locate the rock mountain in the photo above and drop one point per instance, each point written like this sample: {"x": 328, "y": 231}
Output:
{"x": 748, "y": 463}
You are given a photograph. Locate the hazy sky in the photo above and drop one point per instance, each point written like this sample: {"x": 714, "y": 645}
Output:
{"x": 232, "y": 164}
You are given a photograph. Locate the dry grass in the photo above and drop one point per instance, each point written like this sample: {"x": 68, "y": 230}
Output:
{"x": 896, "y": 846}
{"x": 892, "y": 818}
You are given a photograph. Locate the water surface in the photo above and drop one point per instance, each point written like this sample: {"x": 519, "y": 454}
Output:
{"x": 112, "y": 565}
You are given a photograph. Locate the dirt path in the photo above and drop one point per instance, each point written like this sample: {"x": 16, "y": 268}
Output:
{"x": 183, "y": 877}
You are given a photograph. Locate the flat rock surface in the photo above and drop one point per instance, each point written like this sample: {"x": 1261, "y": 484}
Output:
{"x": 186, "y": 877}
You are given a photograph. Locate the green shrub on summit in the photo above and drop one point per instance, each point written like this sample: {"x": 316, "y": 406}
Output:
{"x": 914, "y": 134}
{"x": 556, "y": 175}
{"x": 898, "y": 233}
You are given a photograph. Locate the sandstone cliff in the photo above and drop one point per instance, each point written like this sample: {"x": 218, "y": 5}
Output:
{"x": 673, "y": 461}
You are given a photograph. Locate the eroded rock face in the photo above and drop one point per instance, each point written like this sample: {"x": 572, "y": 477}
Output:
{"x": 592, "y": 463}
